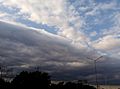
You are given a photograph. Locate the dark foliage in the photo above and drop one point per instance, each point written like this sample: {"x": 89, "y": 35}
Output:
{"x": 35, "y": 80}
{"x": 39, "y": 80}
{"x": 4, "y": 85}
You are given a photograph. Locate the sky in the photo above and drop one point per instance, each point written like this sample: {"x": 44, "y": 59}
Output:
{"x": 91, "y": 26}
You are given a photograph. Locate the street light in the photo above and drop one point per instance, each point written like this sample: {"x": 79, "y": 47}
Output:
{"x": 95, "y": 60}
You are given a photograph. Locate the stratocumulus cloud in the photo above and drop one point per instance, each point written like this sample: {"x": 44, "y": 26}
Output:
{"x": 77, "y": 29}
{"x": 75, "y": 20}
{"x": 26, "y": 48}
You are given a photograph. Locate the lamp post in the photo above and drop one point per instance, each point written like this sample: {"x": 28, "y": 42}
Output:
{"x": 96, "y": 77}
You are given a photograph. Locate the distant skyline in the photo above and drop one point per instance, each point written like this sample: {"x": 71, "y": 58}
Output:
{"x": 91, "y": 26}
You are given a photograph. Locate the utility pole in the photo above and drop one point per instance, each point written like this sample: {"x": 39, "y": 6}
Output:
{"x": 95, "y": 67}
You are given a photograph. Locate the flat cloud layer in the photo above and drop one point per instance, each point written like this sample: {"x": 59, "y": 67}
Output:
{"x": 84, "y": 29}
{"x": 26, "y": 48}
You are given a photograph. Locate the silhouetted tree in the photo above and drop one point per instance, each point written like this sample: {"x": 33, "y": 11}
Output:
{"x": 35, "y": 80}
{"x": 60, "y": 85}
{"x": 5, "y": 72}
{"x": 40, "y": 80}
{"x": 4, "y": 84}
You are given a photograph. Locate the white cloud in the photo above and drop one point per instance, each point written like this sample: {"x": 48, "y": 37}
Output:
{"x": 116, "y": 19}
{"x": 66, "y": 17}
{"x": 94, "y": 33}
{"x": 93, "y": 11}
{"x": 108, "y": 43}
{"x": 106, "y": 6}
{"x": 26, "y": 47}
{"x": 98, "y": 7}
{"x": 2, "y": 14}
{"x": 115, "y": 28}
{"x": 56, "y": 13}
{"x": 6, "y": 16}
{"x": 76, "y": 64}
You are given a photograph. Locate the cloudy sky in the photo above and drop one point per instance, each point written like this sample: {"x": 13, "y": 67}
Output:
{"x": 69, "y": 32}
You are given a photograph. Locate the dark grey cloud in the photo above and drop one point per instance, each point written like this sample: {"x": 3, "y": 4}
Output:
{"x": 26, "y": 48}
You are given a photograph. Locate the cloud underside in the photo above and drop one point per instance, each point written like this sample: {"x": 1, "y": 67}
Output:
{"x": 85, "y": 28}
{"x": 26, "y": 48}
{"x": 23, "y": 47}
